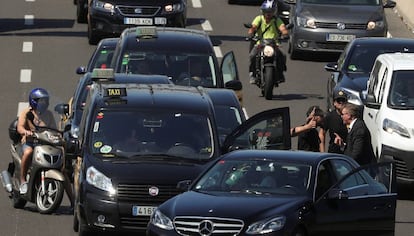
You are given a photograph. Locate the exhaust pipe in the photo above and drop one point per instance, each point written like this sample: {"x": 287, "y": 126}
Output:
{"x": 6, "y": 180}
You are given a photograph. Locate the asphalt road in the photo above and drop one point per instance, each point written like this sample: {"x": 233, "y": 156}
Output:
{"x": 59, "y": 45}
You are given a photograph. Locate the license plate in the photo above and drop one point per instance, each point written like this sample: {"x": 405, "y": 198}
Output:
{"x": 160, "y": 20}
{"x": 340, "y": 37}
{"x": 143, "y": 210}
{"x": 138, "y": 21}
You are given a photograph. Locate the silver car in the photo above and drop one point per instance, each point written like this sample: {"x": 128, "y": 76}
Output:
{"x": 328, "y": 25}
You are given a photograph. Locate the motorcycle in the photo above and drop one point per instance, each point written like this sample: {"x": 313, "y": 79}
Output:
{"x": 270, "y": 63}
{"x": 44, "y": 177}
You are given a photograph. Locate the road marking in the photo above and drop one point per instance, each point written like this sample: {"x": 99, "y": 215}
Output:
{"x": 30, "y": 0}
{"x": 28, "y": 19}
{"x": 27, "y": 47}
{"x": 217, "y": 51}
{"x": 205, "y": 24}
{"x": 25, "y": 75}
{"x": 21, "y": 107}
{"x": 196, "y": 3}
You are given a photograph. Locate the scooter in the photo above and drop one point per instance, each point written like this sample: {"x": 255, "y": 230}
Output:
{"x": 270, "y": 64}
{"x": 44, "y": 177}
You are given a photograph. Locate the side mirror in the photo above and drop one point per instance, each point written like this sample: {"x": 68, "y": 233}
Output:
{"x": 331, "y": 67}
{"x": 389, "y": 4}
{"x": 81, "y": 70}
{"x": 247, "y": 25}
{"x": 62, "y": 109}
{"x": 337, "y": 194}
{"x": 184, "y": 185}
{"x": 289, "y": 26}
{"x": 371, "y": 103}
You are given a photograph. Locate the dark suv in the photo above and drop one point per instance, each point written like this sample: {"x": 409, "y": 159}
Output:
{"x": 137, "y": 141}
{"x": 111, "y": 17}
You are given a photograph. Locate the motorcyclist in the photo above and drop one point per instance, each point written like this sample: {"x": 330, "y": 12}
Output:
{"x": 266, "y": 26}
{"x": 36, "y": 114}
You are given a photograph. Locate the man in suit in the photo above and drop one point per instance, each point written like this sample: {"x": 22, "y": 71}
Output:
{"x": 358, "y": 141}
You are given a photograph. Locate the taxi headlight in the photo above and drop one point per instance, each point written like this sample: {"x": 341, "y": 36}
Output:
{"x": 103, "y": 6}
{"x": 161, "y": 221}
{"x": 267, "y": 226}
{"x": 99, "y": 180}
{"x": 390, "y": 126}
{"x": 268, "y": 51}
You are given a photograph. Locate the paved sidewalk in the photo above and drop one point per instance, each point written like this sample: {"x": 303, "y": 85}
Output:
{"x": 405, "y": 10}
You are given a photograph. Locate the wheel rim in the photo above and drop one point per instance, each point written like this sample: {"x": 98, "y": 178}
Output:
{"x": 49, "y": 199}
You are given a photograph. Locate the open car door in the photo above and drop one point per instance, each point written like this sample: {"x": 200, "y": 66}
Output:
{"x": 229, "y": 67}
{"x": 267, "y": 130}
{"x": 366, "y": 199}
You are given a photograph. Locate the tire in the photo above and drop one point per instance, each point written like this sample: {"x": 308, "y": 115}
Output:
{"x": 81, "y": 13}
{"x": 75, "y": 221}
{"x": 50, "y": 201}
{"x": 268, "y": 75}
{"x": 293, "y": 54}
{"x": 93, "y": 37}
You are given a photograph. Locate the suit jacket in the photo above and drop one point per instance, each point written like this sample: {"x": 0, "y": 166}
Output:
{"x": 358, "y": 143}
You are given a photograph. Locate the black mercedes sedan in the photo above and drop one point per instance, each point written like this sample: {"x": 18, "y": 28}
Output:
{"x": 276, "y": 192}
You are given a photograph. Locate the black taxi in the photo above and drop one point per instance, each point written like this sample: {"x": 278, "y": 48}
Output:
{"x": 185, "y": 55}
{"x": 137, "y": 141}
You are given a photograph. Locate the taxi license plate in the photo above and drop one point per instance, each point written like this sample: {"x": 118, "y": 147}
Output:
{"x": 138, "y": 21}
{"x": 340, "y": 37}
{"x": 143, "y": 210}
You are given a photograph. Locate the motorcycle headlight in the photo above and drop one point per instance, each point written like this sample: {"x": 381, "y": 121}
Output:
{"x": 103, "y": 6}
{"x": 305, "y": 22}
{"x": 267, "y": 226}
{"x": 394, "y": 127}
{"x": 99, "y": 180}
{"x": 74, "y": 131}
{"x": 268, "y": 51}
{"x": 161, "y": 221}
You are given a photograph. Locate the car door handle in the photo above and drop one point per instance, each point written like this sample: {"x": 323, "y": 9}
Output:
{"x": 370, "y": 115}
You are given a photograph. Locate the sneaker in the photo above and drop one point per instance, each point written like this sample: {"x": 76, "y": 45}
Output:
{"x": 252, "y": 78}
{"x": 23, "y": 188}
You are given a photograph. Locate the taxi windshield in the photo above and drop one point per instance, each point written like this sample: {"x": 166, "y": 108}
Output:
{"x": 135, "y": 134}
{"x": 182, "y": 68}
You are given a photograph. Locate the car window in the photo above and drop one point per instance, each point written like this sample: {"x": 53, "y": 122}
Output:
{"x": 342, "y": 168}
{"x": 227, "y": 118}
{"x": 324, "y": 179}
{"x": 402, "y": 89}
{"x": 102, "y": 59}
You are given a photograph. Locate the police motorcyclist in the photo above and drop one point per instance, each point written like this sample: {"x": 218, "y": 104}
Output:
{"x": 266, "y": 26}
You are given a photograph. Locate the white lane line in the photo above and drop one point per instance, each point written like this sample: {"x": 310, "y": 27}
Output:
{"x": 21, "y": 107}
{"x": 196, "y": 3}
{"x": 28, "y": 19}
{"x": 25, "y": 75}
{"x": 27, "y": 47}
{"x": 30, "y": 0}
{"x": 217, "y": 51}
{"x": 205, "y": 24}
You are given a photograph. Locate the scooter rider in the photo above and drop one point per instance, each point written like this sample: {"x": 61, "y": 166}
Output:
{"x": 266, "y": 26}
{"x": 36, "y": 114}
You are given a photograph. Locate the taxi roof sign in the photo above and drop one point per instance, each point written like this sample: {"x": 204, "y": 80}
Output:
{"x": 115, "y": 92}
{"x": 146, "y": 32}
{"x": 98, "y": 73}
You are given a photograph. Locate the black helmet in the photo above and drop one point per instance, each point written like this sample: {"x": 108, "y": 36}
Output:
{"x": 268, "y": 6}
{"x": 35, "y": 95}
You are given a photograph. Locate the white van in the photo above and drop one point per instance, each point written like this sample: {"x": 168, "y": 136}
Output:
{"x": 389, "y": 112}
